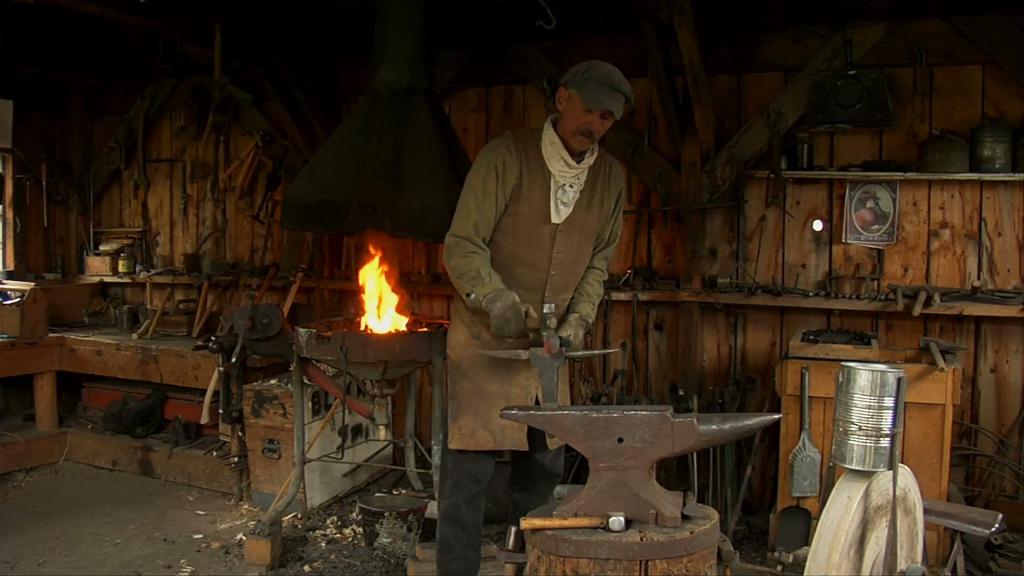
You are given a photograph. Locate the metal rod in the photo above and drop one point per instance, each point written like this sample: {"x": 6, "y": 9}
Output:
{"x": 411, "y": 398}
{"x": 356, "y": 463}
{"x": 437, "y": 419}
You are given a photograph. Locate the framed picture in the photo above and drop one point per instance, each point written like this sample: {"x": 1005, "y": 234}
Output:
{"x": 871, "y": 213}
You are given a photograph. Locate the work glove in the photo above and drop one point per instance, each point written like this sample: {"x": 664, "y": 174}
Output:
{"x": 508, "y": 314}
{"x": 572, "y": 330}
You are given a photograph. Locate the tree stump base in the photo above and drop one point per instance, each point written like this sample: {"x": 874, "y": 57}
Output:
{"x": 642, "y": 549}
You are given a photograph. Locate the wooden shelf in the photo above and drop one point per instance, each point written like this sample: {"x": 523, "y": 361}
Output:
{"x": 814, "y": 303}
{"x": 852, "y": 175}
{"x": 441, "y": 289}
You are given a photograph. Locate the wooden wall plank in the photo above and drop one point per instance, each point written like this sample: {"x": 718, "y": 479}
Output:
{"x": 1003, "y": 235}
{"x": 905, "y": 261}
{"x": 535, "y": 104}
{"x": 506, "y": 109}
{"x": 1004, "y": 98}
{"x": 900, "y": 142}
{"x": 1000, "y": 370}
{"x": 718, "y": 350}
{"x": 806, "y": 252}
{"x": 956, "y": 98}
{"x": 469, "y": 117}
{"x": 663, "y": 344}
{"x": 953, "y": 233}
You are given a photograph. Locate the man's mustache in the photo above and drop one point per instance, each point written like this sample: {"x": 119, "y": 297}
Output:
{"x": 587, "y": 133}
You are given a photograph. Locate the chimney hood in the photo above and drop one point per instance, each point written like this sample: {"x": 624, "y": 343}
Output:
{"x": 395, "y": 163}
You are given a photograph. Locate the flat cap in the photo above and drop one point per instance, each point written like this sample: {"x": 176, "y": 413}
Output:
{"x": 600, "y": 85}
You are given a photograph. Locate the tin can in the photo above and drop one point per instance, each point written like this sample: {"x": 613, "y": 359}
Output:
{"x": 126, "y": 264}
{"x": 868, "y": 414}
{"x": 992, "y": 147}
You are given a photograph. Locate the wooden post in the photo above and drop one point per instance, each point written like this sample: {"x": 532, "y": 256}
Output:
{"x": 45, "y": 396}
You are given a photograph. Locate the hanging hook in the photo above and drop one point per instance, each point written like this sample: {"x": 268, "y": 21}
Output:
{"x": 551, "y": 15}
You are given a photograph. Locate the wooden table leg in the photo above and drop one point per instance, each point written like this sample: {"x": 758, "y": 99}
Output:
{"x": 45, "y": 396}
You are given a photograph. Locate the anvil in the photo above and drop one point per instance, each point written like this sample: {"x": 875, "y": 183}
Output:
{"x": 623, "y": 443}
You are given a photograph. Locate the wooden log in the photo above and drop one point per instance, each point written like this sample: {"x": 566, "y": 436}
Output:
{"x": 45, "y": 397}
{"x": 575, "y": 551}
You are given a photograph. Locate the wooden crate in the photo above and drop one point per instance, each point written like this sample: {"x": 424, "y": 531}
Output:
{"x": 101, "y": 265}
{"x": 269, "y": 435}
{"x": 930, "y": 405}
{"x": 24, "y": 319}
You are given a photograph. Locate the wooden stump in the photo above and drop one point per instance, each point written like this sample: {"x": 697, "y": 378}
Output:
{"x": 643, "y": 549}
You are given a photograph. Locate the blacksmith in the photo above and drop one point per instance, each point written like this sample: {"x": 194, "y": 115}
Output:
{"x": 538, "y": 220}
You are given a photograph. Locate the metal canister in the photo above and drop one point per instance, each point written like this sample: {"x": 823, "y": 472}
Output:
{"x": 1018, "y": 159}
{"x": 944, "y": 152}
{"x": 868, "y": 414}
{"x": 804, "y": 151}
{"x": 126, "y": 263}
{"x": 992, "y": 146}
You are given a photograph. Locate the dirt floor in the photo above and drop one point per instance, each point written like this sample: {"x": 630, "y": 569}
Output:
{"x": 75, "y": 519}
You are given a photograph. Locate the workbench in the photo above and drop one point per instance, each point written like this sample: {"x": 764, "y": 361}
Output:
{"x": 169, "y": 361}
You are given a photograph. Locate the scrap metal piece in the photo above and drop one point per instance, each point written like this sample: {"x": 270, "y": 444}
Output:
{"x": 622, "y": 445}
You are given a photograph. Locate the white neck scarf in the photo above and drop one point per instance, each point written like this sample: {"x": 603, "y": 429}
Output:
{"x": 567, "y": 175}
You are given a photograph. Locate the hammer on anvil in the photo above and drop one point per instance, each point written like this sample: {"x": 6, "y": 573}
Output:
{"x": 623, "y": 443}
{"x": 549, "y": 357}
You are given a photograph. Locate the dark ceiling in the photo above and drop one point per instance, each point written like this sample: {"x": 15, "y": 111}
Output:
{"x": 323, "y": 48}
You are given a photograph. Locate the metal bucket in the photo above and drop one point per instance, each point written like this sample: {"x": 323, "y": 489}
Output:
{"x": 868, "y": 413}
{"x": 991, "y": 146}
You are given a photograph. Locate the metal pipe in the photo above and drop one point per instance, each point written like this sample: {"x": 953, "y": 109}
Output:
{"x": 274, "y": 513}
{"x": 411, "y": 397}
{"x": 437, "y": 420}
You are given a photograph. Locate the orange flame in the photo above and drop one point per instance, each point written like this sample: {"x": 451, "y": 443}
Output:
{"x": 380, "y": 303}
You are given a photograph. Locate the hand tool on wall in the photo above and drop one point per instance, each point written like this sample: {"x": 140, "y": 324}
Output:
{"x": 299, "y": 275}
{"x": 794, "y": 527}
{"x": 623, "y": 444}
{"x": 805, "y": 460}
{"x": 939, "y": 348}
{"x": 210, "y": 389}
{"x": 272, "y": 271}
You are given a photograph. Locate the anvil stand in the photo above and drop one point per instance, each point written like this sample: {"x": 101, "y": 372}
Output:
{"x": 622, "y": 445}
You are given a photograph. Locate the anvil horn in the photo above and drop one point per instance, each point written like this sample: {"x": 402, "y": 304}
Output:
{"x": 718, "y": 429}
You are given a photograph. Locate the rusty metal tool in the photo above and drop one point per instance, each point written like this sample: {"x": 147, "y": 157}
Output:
{"x": 622, "y": 445}
{"x": 549, "y": 357}
{"x": 939, "y": 348}
{"x": 612, "y": 522}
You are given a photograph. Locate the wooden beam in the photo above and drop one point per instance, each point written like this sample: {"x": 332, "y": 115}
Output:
{"x": 786, "y": 108}
{"x": 998, "y": 37}
{"x": 21, "y": 359}
{"x": 625, "y": 143}
{"x": 977, "y": 309}
{"x": 31, "y": 449}
{"x": 150, "y": 458}
{"x": 138, "y": 361}
{"x": 44, "y": 395}
{"x": 696, "y": 79}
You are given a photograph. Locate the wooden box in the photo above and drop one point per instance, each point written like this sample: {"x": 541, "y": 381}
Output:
{"x": 930, "y": 405}
{"x": 269, "y": 438}
{"x": 23, "y": 318}
{"x": 101, "y": 265}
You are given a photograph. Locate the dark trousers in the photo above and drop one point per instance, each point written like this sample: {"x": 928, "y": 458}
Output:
{"x": 465, "y": 475}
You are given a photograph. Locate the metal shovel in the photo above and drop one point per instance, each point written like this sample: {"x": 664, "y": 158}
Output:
{"x": 805, "y": 460}
{"x": 804, "y": 472}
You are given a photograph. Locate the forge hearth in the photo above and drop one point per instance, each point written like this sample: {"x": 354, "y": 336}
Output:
{"x": 377, "y": 361}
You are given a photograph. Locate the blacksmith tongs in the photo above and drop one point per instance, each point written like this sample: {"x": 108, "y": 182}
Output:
{"x": 549, "y": 357}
